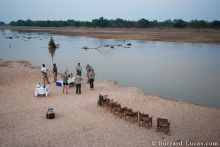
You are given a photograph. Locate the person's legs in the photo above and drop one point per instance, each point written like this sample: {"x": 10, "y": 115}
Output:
{"x": 55, "y": 76}
{"x": 92, "y": 81}
{"x": 63, "y": 88}
{"x": 66, "y": 88}
{"x": 79, "y": 88}
{"x": 88, "y": 77}
{"x": 43, "y": 78}
{"x": 47, "y": 78}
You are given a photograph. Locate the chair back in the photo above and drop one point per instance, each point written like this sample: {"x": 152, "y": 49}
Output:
{"x": 162, "y": 121}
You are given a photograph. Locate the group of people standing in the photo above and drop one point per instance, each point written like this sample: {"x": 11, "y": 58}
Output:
{"x": 65, "y": 77}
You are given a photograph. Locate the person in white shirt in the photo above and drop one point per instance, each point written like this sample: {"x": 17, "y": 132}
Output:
{"x": 44, "y": 73}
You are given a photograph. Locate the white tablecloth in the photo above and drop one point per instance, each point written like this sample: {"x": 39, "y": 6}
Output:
{"x": 40, "y": 89}
{"x": 71, "y": 80}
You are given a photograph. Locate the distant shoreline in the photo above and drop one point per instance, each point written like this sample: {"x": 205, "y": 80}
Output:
{"x": 188, "y": 35}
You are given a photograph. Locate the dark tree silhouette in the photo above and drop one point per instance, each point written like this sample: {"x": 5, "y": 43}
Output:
{"x": 142, "y": 23}
{"x": 118, "y": 23}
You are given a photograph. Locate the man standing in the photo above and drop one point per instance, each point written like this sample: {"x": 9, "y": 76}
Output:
{"x": 55, "y": 72}
{"x": 78, "y": 80}
{"x": 78, "y": 69}
{"x": 44, "y": 73}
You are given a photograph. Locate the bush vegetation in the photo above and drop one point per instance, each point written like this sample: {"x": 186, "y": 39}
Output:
{"x": 118, "y": 23}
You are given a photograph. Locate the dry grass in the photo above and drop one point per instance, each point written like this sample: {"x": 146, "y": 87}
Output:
{"x": 151, "y": 34}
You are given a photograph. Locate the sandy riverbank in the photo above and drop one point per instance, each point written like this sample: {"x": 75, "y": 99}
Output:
{"x": 151, "y": 34}
{"x": 80, "y": 122}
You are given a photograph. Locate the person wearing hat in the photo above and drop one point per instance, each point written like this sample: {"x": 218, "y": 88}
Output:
{"x": 44, "y": 73}
{"x": 55, "y": 72}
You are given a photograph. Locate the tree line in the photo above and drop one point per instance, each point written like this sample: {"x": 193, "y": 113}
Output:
{"x": 118, "y": 23}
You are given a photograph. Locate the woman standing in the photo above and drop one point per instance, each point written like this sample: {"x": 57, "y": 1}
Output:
{"x": 91, "y": 78}
{"x": 88, "y": 69}
{"x": 65, "y": 82}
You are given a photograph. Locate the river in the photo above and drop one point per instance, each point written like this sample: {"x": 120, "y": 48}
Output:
{"x": 182, "y": 71}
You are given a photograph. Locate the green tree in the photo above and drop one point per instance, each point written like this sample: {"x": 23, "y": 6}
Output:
{"x": 101, "y": 22}
{"x": 215, "y": 24}
{"x": 142, "y": 23}
{"x": 118, "y": 23}
{"x": 179, "y": 23}
{"x": 198, "y": 24}
{"x": 167, "y": 23}
{"x": 154, "y": 23}
{"x": 2, "y": 23}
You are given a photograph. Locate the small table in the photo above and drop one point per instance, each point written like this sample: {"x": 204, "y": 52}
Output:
{"x": 41, "y": 90}
{"x": 70, "y": 81}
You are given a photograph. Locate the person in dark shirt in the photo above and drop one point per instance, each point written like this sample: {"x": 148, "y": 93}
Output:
{"x": 79, "y": 69}
{"x": 78, "y": 80}
{"x": 55, "y": 72}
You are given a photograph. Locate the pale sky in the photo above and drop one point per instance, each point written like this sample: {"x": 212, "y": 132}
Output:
{"x": 111, "y": 9}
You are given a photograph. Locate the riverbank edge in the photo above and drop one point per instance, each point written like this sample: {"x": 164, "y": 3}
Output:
{"x": 207, "y": 36}
{"x": 78, "y": 116}
{"x": 30, "y": 64}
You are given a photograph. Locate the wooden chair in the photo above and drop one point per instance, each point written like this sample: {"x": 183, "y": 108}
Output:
{"x": 131, "y": 115}
{"x": 105, "y": 102}
{"x": 110, "y": 105}
{"x": 101, "y": 99}
{"x": 144, "y": 120}
{"x": 117, "y": 108}
{"x": 121, "y": 111}
{"x": 163, "y": 125}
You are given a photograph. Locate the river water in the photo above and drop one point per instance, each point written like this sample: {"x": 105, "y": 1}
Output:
{"x": 183, "y": 71}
